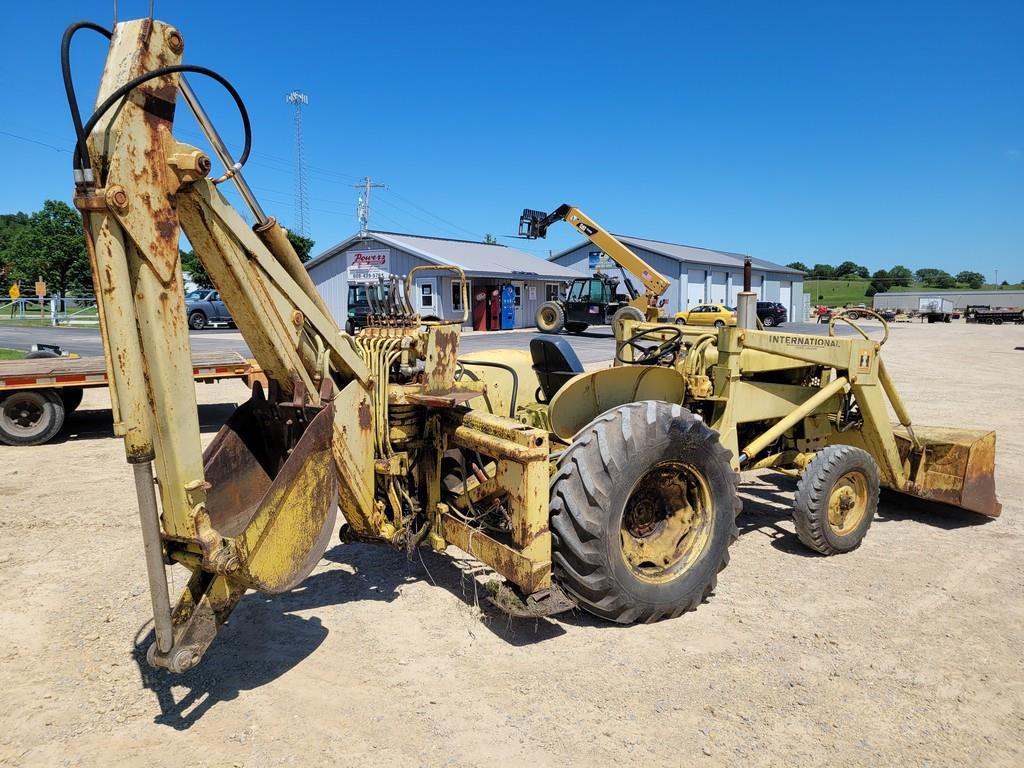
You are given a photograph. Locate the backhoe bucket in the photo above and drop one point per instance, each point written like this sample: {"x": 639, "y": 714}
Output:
{"x": 956, "y": 467}
{"x": 274, "y": 489}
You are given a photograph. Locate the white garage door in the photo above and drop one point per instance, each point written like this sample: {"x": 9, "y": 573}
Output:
{"x": 717, "y": 288}
{"x": 786, "y": 297}
{"x": 694, "y": 287}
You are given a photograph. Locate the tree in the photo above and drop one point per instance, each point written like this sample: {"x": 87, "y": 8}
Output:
{"x": 50, "y": 245}
{"x": 936, "y": 278}
{"x": 851, "y": 269}
{"x": 303, "y": 245}
{"x": 798, "y": 265}
{"x": 900, "y": 275}
{"x": 490, "y": 239}
{"x": 194, "y": 268}
{"x": 973, "y": 279}
{"x": 879, "y": 283}
{"x": 823, "y": 271}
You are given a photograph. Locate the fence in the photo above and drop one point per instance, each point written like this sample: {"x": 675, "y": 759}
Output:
{"x": 53, "y": 310}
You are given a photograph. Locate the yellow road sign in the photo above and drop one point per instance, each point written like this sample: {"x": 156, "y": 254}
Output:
{"x": 40, "y": 288}
{"x": 14, "y": 292}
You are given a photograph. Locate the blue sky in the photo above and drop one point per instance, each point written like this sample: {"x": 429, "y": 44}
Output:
{"x": 878, "y": 132}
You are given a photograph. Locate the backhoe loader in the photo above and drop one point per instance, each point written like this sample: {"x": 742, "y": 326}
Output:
{"x": 609, "y": 491}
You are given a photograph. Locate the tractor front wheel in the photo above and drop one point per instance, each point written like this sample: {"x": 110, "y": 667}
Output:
{"x": 643, "y": 510}
{"x": 550, "y": 317}
{"x": 836, "y": 499}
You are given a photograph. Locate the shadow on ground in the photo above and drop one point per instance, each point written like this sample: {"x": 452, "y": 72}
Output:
{"x": 99, "y": 423}
{"x": 264, "y": 638}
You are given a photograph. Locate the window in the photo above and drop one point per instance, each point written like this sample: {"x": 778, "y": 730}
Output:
{"x": 597, "y": 291}
{"x": 578, "y": 290}
{"x": 457, "y": 294}
{"x": 551, "y": 291}
{"x": 426, "y": 295}
{"x": 517, "y": 292}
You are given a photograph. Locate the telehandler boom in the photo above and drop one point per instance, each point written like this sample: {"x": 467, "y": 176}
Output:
{"x": 612, "y": 490}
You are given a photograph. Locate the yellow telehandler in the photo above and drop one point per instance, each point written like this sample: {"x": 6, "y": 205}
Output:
{"x": 614, "y": 490}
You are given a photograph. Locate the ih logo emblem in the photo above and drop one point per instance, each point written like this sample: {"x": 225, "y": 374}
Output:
{"x": 864, "y": 364}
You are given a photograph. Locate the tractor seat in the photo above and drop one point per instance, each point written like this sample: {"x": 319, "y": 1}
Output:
{"x": 555, "y": 362}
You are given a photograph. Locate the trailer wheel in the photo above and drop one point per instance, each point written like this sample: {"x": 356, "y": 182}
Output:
{"x": 72, "y": 397}
{"x": 30, "y": 416}
{"x": 643, "y": 510}
{"x": 550, "y": 317}
{"x": 836, "y": 499}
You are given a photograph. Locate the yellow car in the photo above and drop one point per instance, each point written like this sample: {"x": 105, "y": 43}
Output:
{"x": 707, "y": 314}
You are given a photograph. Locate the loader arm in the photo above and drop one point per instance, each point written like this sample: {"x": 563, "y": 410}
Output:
{"x": 534, "y": 224}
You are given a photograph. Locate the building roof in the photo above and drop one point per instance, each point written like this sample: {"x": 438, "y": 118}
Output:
{"x": 475, "y": 258}
{"x": 693, "y": 254}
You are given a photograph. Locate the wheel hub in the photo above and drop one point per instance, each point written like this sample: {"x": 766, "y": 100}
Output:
{"x": 666, "y": 522}
{"x": 847, "y": 503}
{"x": 22, "y": 414}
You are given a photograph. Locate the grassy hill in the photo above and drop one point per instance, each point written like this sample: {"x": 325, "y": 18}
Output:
{"x": 837, "y": 293}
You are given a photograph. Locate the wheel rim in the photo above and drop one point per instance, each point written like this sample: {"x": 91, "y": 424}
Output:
{"x": 666, "y": 523}
{"x": 847, "y": 503}
{"x": 547, "y": 316}
{"x": 197, "y": 322}
{"x": 769, "y": 321}
{"x": 22, "y": 414}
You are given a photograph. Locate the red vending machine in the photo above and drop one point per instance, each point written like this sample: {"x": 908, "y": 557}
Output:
{"x": 494, "y": 309}
{"x": 480, "y": 312}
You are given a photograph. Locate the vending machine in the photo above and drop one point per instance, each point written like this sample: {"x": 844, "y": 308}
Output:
{"x": 508, "y": 307}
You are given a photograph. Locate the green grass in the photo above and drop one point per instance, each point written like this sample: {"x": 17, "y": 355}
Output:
{"x": 11, "y": 354}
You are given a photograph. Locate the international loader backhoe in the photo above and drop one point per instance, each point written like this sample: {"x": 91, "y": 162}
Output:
{"x": 610, "y": 491}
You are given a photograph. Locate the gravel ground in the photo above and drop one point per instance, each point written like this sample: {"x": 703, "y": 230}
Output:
{"x": 909, "y": 651}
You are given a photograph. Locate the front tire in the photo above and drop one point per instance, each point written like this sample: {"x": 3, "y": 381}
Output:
{"x": 625, "y": 313}
{"x": 768, "y": 322}
{"x": 550, "y": 317}
{"x": 576, "y": 327}
{"x": 643, "y": 510}
{"x": 197, "y": 321}
{"x": 719, "y": 323}
{"x": 836, "y": 499}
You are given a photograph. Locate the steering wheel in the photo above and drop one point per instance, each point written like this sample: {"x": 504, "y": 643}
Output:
{"x": 841, "y": 315}
{"x": 652, "y": 355}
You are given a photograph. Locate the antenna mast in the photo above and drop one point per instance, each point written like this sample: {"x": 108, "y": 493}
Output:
{"x": 298, "y": 99}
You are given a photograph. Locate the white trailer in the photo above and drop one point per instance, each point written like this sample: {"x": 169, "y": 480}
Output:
{"x": 936, "y": 309}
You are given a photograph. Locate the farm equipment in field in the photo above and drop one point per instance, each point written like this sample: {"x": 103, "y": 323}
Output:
{"x": 613, "y": 490}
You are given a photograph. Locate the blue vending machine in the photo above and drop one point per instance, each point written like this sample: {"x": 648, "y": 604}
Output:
{"x": 508, "y": 308}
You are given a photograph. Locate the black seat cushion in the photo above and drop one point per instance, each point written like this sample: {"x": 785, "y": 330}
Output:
{"x": 555, "y": 362}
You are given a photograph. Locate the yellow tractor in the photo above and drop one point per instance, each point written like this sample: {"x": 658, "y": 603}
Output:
{"x": 613, "y": 490}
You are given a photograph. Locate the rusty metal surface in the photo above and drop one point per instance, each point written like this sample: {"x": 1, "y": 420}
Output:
{"x": 529, "y": 574}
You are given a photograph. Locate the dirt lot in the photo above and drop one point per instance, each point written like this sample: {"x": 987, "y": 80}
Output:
{"x": 909, "y": 651}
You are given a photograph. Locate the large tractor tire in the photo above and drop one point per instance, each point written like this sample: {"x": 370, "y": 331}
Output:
{"x": 836, "y": 499}
{"x": 30, "y": 416}
{"x": 625, "y": 313}
{"x": 550, "y": 317}
{"x": 576, "y": 327}
{"x": 643, "y": 510}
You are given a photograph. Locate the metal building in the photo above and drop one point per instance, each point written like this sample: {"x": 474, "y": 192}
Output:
{"x": 700, "y": 275}
{"x": 961, "y": 298}
{"x": 492, "y": 272}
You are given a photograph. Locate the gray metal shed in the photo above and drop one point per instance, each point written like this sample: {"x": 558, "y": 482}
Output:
{"x": 360, "y": 258}
{"x": 699, "y": 275}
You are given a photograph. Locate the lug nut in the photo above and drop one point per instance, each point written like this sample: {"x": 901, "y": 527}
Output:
{"x": 174, "y": 41}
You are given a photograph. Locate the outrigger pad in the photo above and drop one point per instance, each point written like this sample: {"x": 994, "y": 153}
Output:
{"x": 957, "y": 467}
{"x": 274, "y": 488}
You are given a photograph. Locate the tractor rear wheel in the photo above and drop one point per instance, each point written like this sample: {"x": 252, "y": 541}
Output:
{"x": 550, "y": 317}
{"x": 836, "y": 499}
{"x": 643, "y": 510}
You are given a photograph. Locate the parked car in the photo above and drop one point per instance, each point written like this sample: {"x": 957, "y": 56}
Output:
{"x": 771, "y": 313}
{"x": 204, "y": 307}
{"x": 707, "y": 314}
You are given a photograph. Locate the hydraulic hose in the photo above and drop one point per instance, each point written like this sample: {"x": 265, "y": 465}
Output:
{"x": 502, "y": 366}
{"x": 81, "y": 160}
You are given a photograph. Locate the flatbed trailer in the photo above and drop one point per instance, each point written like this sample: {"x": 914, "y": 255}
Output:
{"x": 36, "y": 395}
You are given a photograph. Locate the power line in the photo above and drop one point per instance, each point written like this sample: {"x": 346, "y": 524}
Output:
{"x": 35, "y": 141}
{"x": 367, "y": 184}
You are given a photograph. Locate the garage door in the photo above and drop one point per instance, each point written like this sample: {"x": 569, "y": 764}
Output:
{"x": 786, "y": 297}
{"x": 695, "y": 287}
{"x": 717, "y": 288}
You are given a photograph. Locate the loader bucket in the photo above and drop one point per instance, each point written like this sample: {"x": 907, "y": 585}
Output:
{"x": 956, "y": 467}
{"x": 274, "y": 489}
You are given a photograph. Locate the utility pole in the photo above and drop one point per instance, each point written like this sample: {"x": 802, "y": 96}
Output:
{"x": 298, "y": 99}
{"x": 363, "y": 209}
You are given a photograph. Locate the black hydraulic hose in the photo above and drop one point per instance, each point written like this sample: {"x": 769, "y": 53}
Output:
{"x": 502, "y": 366}
{"x": 80, "y": 161}
{"x": 125, "y": 89}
